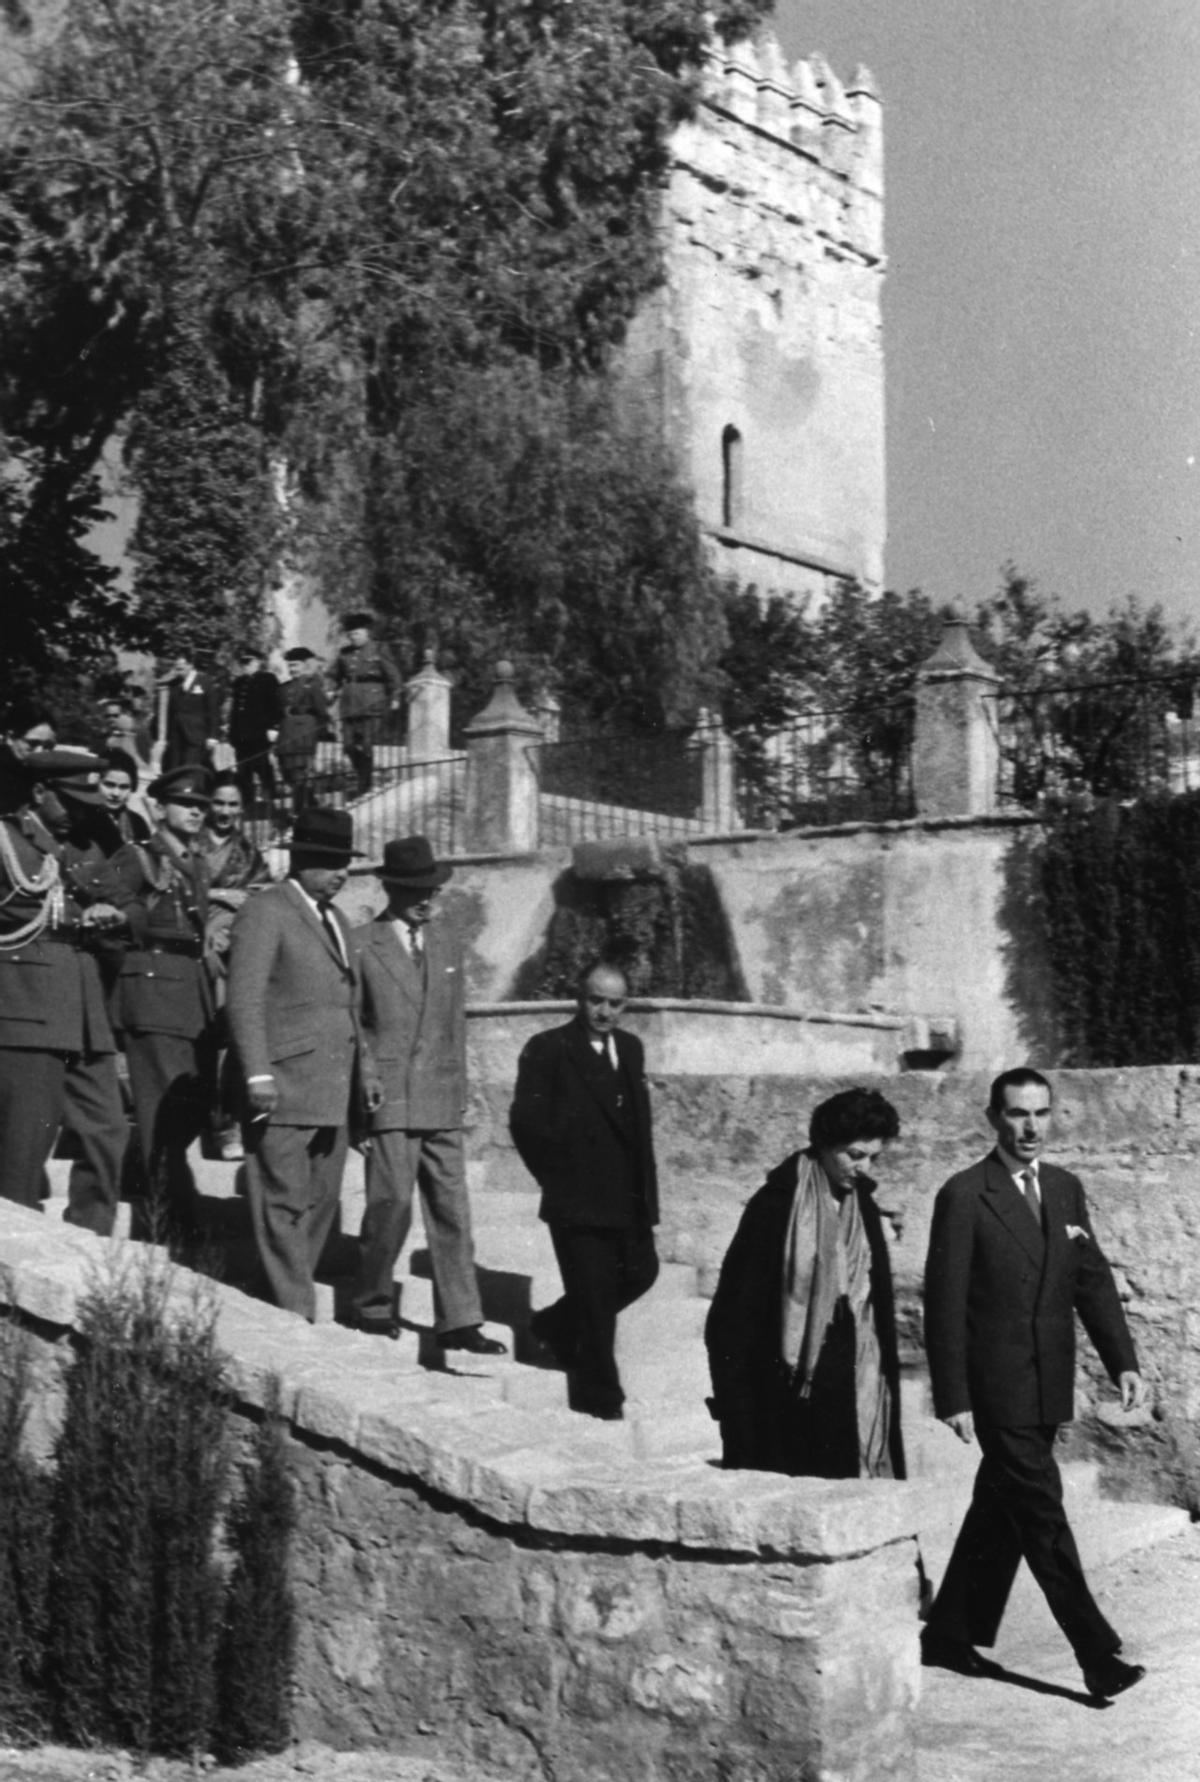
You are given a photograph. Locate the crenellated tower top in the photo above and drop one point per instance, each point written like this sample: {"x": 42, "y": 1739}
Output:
{"x": 805, "y": 108}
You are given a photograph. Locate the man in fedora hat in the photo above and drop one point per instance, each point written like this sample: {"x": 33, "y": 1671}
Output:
{"x": 368, "y": 686}
{"x": 57, "y": 1052}
{"x": 292, "y": 1002}
{"x": 415, "y": 1024}
{"x": 164, "y": 1004}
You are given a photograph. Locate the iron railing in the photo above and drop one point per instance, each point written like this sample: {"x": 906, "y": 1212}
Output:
{"x": 606, "y": 785}
{"x": 1120, "y": 738}
{"x": 827, "y": 767}
{"x": 401, "y": 795}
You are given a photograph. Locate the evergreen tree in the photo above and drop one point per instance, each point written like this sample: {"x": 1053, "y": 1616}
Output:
{"x": 334, "y": 214}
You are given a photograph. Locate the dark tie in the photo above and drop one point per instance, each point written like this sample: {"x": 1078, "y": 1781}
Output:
{"x": 1029, "y": 1190}
{"x": 416, "y": 944}
{"x": 330, "y": 927}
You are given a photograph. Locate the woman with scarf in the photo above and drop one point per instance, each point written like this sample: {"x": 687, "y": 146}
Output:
{"x": 801, "y": 1334}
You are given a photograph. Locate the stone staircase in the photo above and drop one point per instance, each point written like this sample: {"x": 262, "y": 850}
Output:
{"x": 663, "y": 1365}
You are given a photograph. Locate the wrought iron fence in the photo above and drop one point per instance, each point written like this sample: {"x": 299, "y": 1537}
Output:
{"x": 1112, "y": 739}
{"x": 605, "y": 785}
{"x": 389, "y": 793}
{"x": 828, "y": 767}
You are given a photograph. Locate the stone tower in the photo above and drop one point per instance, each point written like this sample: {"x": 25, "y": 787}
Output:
{"x": 761, "y": 356}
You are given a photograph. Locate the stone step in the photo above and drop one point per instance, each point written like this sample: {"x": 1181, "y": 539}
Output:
{"x": 674, "y": 1435}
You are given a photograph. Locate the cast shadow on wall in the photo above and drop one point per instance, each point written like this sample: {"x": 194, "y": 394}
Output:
{"x": 1028, "y": 972}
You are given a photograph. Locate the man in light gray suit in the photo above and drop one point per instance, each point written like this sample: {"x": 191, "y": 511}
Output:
{"x": 292, "y": 1000}
{"x": 415, "y": 1025}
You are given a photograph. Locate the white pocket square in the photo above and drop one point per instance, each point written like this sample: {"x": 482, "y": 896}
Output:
{"x": 1076, "y": 1234}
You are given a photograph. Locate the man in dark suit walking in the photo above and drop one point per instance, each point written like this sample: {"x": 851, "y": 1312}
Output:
{"x": 1012, "y": 1258}
{"x": 193, "y": 716}
{"x": 292, "y": 1001}
{"x": 415, "y": 1024}
{"x": 255, "y": 715}
{"x": 581, "y": 1121}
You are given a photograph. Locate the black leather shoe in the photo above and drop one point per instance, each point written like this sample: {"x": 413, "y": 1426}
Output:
{"x": 952, "y": 1655}
{"x": 472, "y": 1339}
{"x": 1111, "y": 1676}
{"x": 386, "y": 1325}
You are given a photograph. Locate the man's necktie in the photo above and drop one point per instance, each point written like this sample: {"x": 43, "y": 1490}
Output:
{"x": 330, "y": 927}
{"x": 1029, "y": 1189}
{"x": 416, "y": 942}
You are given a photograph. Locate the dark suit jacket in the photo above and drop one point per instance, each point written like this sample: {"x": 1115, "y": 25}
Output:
{"x": 292, "y": 1006}
{"x": 1000, "y": 1299}
{"x": 256, "y": 706}
{"x": 192, "y": 717}
{"x": 585, "y": 1156}
{"x": 415, "y": 1024}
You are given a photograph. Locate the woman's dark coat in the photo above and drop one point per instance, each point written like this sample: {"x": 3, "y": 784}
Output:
{"x": 764, "y": 1424}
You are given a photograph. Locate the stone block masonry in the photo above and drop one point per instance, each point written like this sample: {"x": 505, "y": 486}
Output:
{"x": 518, "y": 1588}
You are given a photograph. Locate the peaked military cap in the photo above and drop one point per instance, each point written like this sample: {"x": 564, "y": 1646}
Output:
{"x": 75, "y": 773}
{"x": 183, "y": 785}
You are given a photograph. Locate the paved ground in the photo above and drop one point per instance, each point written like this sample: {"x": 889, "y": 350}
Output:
{"x": 1030, "y": 1722}
{"x": 1034, "y": 1721}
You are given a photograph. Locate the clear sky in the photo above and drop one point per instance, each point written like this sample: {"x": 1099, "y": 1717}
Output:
{"x": 1043, "y": 290}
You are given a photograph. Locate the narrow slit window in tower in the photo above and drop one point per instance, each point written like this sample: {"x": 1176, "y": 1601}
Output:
{"x": 731, "y": 477}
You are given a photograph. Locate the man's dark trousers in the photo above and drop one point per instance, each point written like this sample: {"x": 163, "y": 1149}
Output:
{"x": 1017, "y": 1513}
{"x": 604, "y": 1269}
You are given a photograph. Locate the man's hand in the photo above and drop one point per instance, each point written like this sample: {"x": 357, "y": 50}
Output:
{"x": 963, "y": 1425}
{"x": 263, "y": 1097}
{"x": 102, "y": 915}
{"x": 1133, "y": 1391}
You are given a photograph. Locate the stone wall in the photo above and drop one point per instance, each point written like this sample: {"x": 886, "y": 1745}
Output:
{"x": 516, "y": 1585}
{"x": 592, "y": 1656}
{"x": 918, "y": 920}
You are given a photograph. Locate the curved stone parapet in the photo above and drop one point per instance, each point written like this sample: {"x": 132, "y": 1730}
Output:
{"x": 522, "y": 1587}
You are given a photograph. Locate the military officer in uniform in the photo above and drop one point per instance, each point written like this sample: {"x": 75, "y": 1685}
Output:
{"x": 367, "y": 683}
{"x": 57, "y": 1052}
{"x": 164, "y": 1001}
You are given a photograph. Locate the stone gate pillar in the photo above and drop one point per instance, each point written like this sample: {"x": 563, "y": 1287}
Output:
{"x": 502, "y": 782}
{"x": 717, "y": 805}
{"x": 428, "y": 712}
{"x": 956, "y": 751}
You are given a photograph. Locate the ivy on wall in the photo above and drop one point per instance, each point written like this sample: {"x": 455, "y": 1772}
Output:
{"x": 1119, "y": 888}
